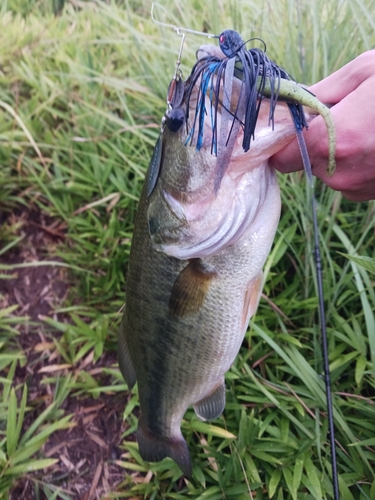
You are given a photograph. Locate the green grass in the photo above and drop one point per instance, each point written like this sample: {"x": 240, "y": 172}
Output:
{"x": 89, "y": 86}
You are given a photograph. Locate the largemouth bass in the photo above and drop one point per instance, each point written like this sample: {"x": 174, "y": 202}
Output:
{"x": 205, "y": 224}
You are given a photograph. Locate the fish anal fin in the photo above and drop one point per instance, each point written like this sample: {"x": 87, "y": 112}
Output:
{"x": 211, "y": 406}
{"x": 154, "y": 448}
{"x": 190, "y": 289}
{"x": 124, "y": 359}
{"x": 252, "y": 297}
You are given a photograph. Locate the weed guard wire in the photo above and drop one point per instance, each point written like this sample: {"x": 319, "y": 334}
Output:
{"x": 232, "y": 46}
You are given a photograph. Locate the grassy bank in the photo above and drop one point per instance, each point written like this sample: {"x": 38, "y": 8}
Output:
{"x": 82, "y": 91}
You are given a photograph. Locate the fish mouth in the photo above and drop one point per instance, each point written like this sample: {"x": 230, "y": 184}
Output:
{"x": 208, "y": 227}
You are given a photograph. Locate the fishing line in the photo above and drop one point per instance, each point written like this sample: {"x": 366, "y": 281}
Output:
{"x": 324, "y": 340}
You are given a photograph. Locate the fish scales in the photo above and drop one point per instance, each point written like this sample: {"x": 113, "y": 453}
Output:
{"x": 195, "y": 273}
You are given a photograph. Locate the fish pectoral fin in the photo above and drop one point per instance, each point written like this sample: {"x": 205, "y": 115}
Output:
{"x": 124, "y": 359}
{"x": 154, "y": 448}
{"x": 211, "y": 406}
{"x": 252, "y": 297}
{"x": 190, "y": 289}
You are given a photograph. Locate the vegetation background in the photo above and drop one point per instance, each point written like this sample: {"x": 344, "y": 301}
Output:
{"x": 82, "y": 92}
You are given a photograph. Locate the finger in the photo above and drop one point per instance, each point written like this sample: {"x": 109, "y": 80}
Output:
{"x": 365, "y": 194}
{"x": 335, "y": 87}
{"x": 353, "y": 117}
{"x": 316, "y": 138}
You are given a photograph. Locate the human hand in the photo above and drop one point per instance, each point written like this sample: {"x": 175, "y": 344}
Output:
{"x": 351, "y": 92}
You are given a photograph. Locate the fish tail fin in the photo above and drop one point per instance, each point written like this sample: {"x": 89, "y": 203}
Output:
{"x": 154, "y": 448}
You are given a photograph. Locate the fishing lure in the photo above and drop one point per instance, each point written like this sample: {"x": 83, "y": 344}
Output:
{"x": 261, "y": 78}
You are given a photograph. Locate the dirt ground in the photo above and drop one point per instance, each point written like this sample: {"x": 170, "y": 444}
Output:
{"x": 86, "y": 452}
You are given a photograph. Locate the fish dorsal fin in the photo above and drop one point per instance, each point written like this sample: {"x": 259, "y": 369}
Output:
{"x": 190, "y": 289}
{"x": 124, "y": 358}
{"x": 211, "y": 406}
